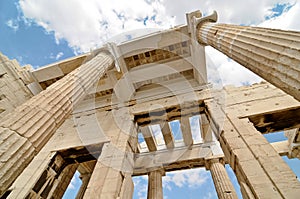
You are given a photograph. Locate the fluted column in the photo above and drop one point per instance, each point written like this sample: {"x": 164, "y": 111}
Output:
{"x": 63, "y": 182}
{"x": 127, "y": 187}
{"x": 85, "y": 180}
{"x": 223, "y": 185}
{"x": 155, "y": 190}
{"x": 28, "y": 128}
{"x": 272, "y": 54}
{"x": 114, "y": 167}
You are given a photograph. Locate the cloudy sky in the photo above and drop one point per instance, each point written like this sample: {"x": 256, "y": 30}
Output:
{"x": 39, "y": 32}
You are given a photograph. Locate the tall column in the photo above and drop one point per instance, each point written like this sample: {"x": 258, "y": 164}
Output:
{"x": 62, "y": 183}
{"x": 155, "y": 190}
{"x": 105, "y": 182}
{"x": 110, "y": 176}
{"x": 271, "y": 54}
{"x": 223, "y": 185}
{"x": 127, "y": 188}
{"x": 259, "y": 169}
{"x": 84, "y": 183}
{"x": 115, "y": 164}
{"x": 85, "y": 170}
{"x": 28, "y": 128}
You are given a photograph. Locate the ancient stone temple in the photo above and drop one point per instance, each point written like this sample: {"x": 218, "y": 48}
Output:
{"x": 89, "y": 113}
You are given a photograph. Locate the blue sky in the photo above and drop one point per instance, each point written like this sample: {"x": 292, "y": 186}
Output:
{"x": 39, "y": 32}
{"x": 28, "y": 43}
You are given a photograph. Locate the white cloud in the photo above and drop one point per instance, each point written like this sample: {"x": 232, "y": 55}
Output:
{"x": 179, "y": 179}
{"x": 56, "y": 57}
{"x": 192, "y": 178}
{"x": 209, "y": 195}
{"x": 13, "y": 24}
{"x": 59, "y": 55}
{"x": 289, "y": 20}
{"x": 229, "y": 11}
{"x": 88, "y": 24}
{"x": 166, "y": 182}
{"x": 224, "y": 71}
{"x": 140, "y": 185}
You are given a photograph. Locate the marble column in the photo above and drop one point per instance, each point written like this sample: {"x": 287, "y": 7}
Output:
{"x": 258, "y": 167}
{"x": 223, "y": 185}
{"x": 155, "y": 190}
{"x": 84, "y": 180}
{"x": 28, "y": 128}
{"x": 63, "y": 182}
{"x": 114, "y": 167}
{"x": 270, "y": 53}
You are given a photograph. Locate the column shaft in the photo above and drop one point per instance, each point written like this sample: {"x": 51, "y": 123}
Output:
{"x": 258, "y": 167}
{"x": 28, "y": 128}
{"x": 155, "y": 190}
{"x": 63, "y": 182}
{"x": 222, "y": 182}
{"x": 85, "y": 180}
{"x": 271, "y": 54}
{"x": 115, "y": 163}
{"x": 105, "y": 182}
{"x": 127, "y": 188}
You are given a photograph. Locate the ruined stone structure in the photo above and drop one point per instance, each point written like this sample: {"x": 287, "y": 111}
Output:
{"x": 89, "y": 113}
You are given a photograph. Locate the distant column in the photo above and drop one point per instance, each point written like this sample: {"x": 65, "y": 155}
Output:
{"x": 271, "y": 54}
{"x": 223, "y": 185}
{"x": 85, "y": 180}
{"x": 28, "y": 128}
{"x": 61, "y": 184}
{"x": 155, "y": 190}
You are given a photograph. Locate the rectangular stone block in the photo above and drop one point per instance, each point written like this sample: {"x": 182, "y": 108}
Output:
{"x": 243, "y": 155}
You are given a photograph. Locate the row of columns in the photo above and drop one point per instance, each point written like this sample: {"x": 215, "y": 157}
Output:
{"x": 253, "y": 174}
{"x": 223, "y": 185}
